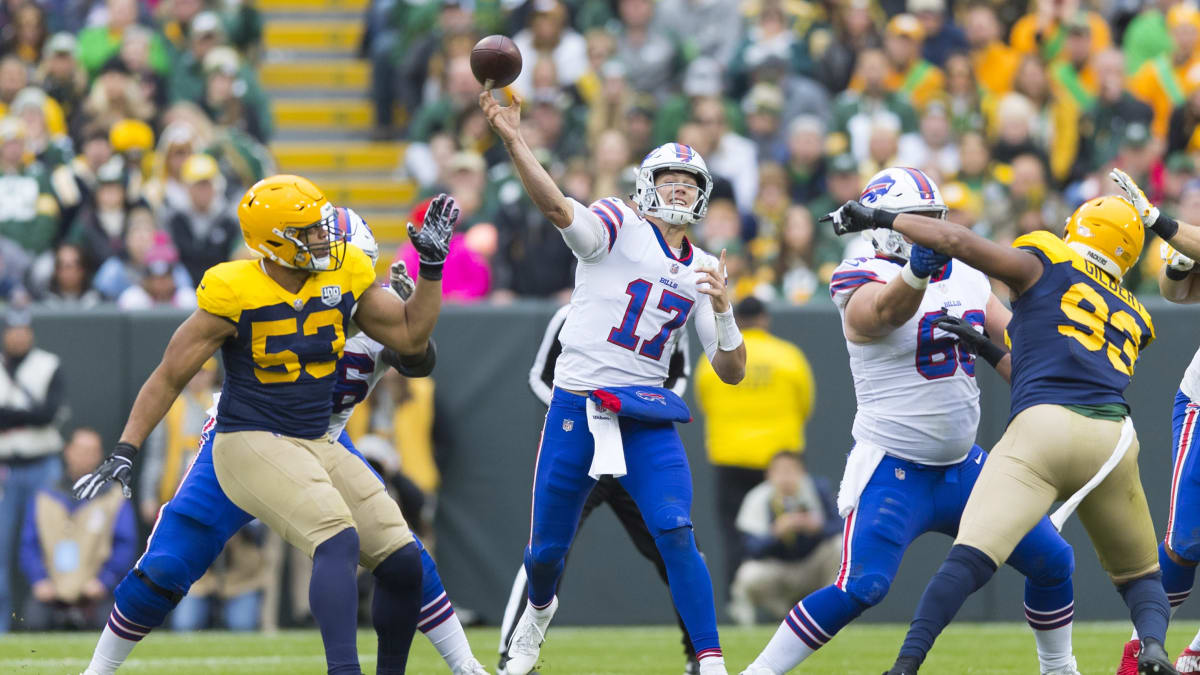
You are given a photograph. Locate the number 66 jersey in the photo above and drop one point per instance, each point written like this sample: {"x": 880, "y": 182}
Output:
{"x": 632, "y": 295}
{"x": 916, "y": 389}
{"x": 1075, "y": 334}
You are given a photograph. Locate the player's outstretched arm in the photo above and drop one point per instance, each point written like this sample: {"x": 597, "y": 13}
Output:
{"x": 1184, "y": 237}
{"x": 729, "y": 358}
{"x": 1176, "y": 280}
{"x": 874, "y": 311}
{"x": 1018, "y": 269}
{"x": 506, "y": 121}
{"x": 194, "y": 342}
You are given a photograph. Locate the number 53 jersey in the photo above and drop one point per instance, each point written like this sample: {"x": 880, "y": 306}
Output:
{"x": 1075, "y": 334}
{"x": 916, "y": 390}
{"x": 281, "y": 367}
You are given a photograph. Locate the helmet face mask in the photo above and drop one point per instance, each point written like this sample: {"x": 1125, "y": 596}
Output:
{"x": 649, "y": 196}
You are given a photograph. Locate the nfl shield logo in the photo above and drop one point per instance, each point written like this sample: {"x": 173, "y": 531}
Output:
{"x": 899, "y": 473}
{"x": 331, "y": 295}
{"x": 674, "y": 268}
{"x": 568, "y": 425}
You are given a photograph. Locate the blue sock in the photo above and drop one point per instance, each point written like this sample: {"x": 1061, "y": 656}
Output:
{"x": 543, "y": 572}
{"x": 1177, "y": 579}
{"x": 1148, "y": 606}
{"x": 965, "y": 570}
{"x": 333, "y": 598}
{"x": 822, "y": 614}
{"x": 691, "y": 587}
{"x": 1049, "y": 607}
{"x": 395, "y": 607}
{"x": 431, "y": 582}
{"x": 139, "y": 603}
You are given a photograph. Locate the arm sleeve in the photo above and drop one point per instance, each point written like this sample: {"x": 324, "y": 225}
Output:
{"x": 541, "y": 373}
{"x": 31, "y": 551}
{"x": 588, "y": 237}
{"x": 42, "y": 412}
{"x": 123, "y": 548}
{"x": 706, "y": 326}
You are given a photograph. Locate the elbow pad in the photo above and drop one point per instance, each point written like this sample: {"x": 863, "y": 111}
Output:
{"x": 418, "y": 365}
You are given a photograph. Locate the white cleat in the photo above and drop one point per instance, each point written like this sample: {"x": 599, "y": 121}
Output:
{"x": 1066, "y": 670}
{"x": 471, "y": 666}
{"x": 713, "y": 667}
{"x": 754, "y": 669}
{"x": 526, "y": 644}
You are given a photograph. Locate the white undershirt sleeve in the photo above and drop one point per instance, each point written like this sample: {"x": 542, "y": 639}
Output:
{"x": 586, "y": 237}
{"x": 706, "y": 326}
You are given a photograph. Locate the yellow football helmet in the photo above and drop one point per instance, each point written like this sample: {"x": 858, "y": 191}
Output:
{"x": 287, "y": 219}
{"x": 1108, "y": 232}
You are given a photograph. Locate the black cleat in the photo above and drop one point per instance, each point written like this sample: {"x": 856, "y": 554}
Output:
{"x": 1153, "y": 659}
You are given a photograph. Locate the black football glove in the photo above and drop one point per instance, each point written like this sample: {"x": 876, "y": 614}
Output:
{"x": 854, "y": 217}
{"x": 433, "y": 240}
{"x": 118, "y": 466}
{"x": 972, "y": 340}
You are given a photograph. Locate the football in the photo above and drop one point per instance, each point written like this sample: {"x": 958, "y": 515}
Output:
{"x": 496, "y": 58}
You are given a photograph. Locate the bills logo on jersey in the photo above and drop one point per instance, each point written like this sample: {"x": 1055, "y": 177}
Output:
{"x": 652, "y": 397}
{"x": 331, "y": 295}
{"x": 877, "y": 189}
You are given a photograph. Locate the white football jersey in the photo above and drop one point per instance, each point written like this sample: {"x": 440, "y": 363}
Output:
{"x": 359, "y": 370}
{"x": 632, "y": 297}
{"x": 916, "y": 389}
{"x": 1190, "y": 386}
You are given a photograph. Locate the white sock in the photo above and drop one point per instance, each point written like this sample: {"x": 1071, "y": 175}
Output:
{"x": 784, "y": 652}
{"x": 542, "y": 616}
{"x": 712, "y": 663}
{"x": 1195, "y": 646}
{"x": 1054, "y": 647}
{"x": 111, "y": 652}
{"x": 450, "y": 641}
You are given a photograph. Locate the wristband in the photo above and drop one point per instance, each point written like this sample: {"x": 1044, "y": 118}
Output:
{"x": 729, "y": 337}
{"x": 431, "y": 271}
{"x": 1177, "y": 274}
{"x": 883, "y": 218}
{"x": 992, "y": 353}
{"x": 126, "y": 450}
{"x": 916, "y": 282}
{"x": 1165, "y": 226}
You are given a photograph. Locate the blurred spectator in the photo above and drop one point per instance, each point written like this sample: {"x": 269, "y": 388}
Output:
{"x": 806, "y": 158}
{"x": 550, "y": 37}
{"x": 48, "y": 148}
{"x": 75, "y": 183}
{"x": 610, "y": 157}
{"x": 14, "y": 78}
{"x": 710, "y": 28}
{"x": 1043, "y": 30}
{"x": 141, "y": 244}
{"x": 98, "y": 44}
{"x": 912, "y": 76}
{"x": 115, "y": 96}
{"x": 793, "y": 263}
{"x": 733, "y": 156}
{"x": 763, "y": 107}
{"x": 1113, "y": 109}
{"x": 647, "y": 54}
{"x": 26, "y": 34}
{"x": 791, "y": 533}
{"x": 466, "y": 276}
{"x": 1073, "y": 73}
{"x": 232, "y": 97}
{"x": 204, "y": 230}
{"x": 133, "y": 141}
{"x": 175, "y": 20}
{"x": 62, "y": 77}
{"x": 1181, "y": 131}
{"x": 963, "y": 97}
{"x": 164, "y": 189}
{"x": 770, "y": 36}
{"x": 14, "y": 265}
{"x": 1160, "y": 81}
{"x": 844, "y": 183}
{"x": 187, "y": 75}
{"x": 32, "y": 401}
{"x": 836, "y": 48}
{"x": 74, "y": 553}
{"x": 171, "y": 446}
{"x": 1143, "y": 38}
{"x": 157, "y": 286}
{"x": 703, "y": 79}
{"x": 746, "y": 426}
{"x": 995, "y": 62}
{"x": 1015, "y": 118}
{"x": 856, "y": 113}
{"x": 531, "y": 259}
{"x": 802, "y": 95}
{"x": 934, "y": 149}
{"x": 28, "y": 211}
{"x": 428, "y": 35}
{"x": 234, "y": 586}
{"x": 459, "y": 92}
{"x": 70, "y": 284}
{"x": 135, "y": 55}
{"x": 942, "y": 36}
{"x": 100, "y": 224}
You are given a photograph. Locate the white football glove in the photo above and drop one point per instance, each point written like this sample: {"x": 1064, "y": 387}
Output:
{"x": 400, "y": 280}
{"x": 1174, "y": 259}
{"x": 1145, "y": 209}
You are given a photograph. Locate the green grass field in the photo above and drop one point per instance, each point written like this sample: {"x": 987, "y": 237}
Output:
{"x": 993, "y": 649}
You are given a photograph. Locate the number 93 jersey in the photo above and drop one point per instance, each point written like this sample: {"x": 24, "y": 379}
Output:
{"x": 281, "y": 366}
{"x": 916, "y": 390}
{"x": 1075, "y": 334}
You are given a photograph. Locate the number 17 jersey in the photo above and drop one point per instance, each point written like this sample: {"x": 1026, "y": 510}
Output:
{"x": 629, "y": 305}
{"x": 1075, "y": 334}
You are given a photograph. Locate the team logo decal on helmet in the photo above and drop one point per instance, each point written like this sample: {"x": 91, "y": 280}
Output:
{"x": 900, "y": 190}
{"x": 649, "y": 198}
{"x": 354, "y": 229}
{"x": 882, "y": 183}
{"x": 1107, "y": 232}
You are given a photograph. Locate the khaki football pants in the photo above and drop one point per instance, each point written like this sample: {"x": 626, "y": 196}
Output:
{"x": 308, "y": 491}
{"x": 1047, "y": 453}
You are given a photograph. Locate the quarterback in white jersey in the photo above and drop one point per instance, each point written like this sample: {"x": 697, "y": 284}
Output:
{"x": 637, "y": 283}
{"x": 911, "y": 318}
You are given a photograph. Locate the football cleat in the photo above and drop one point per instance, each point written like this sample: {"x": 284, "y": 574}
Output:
{"x": 526, "y": 644}
{"x": 1153, "y": 660}
{"x": 471, "y": 667}
{"x": 1188, "y": 662}
{"x": 1129, "y": 658}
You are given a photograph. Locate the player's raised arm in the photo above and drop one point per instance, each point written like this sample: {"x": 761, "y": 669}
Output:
{"x": 1184, "y": 237}
{"x": 194, "y": 342}
{"x": 1016, "y": 268}
{"x": 729, "y": 358}
{"x": 874, "y": 310}
{"x": 405, "y": 327}
{"x": 506, "y": 121}
{"x": 1176, "y": 281}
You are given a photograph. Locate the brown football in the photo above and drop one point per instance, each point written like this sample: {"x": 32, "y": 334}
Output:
{"x": 496, "y": 58}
